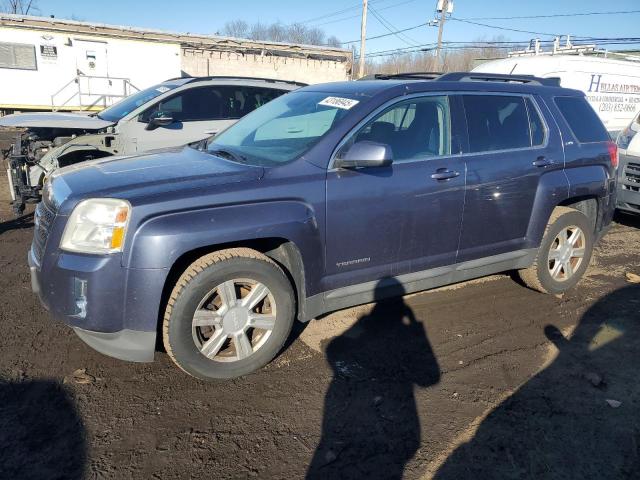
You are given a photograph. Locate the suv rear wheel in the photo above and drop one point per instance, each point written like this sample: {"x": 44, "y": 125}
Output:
{"x": 229, "y": 314}
{"x": 564, "y": 254}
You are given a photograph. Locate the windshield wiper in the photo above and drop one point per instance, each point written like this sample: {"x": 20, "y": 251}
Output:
{"x": 228, "y": 154}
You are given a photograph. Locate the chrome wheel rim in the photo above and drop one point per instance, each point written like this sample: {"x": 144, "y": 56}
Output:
{"x": 566, "y": 253}
{"x": 234, "y": 320}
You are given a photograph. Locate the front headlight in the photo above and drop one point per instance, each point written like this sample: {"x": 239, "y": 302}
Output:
{"x": 97, "y": 225}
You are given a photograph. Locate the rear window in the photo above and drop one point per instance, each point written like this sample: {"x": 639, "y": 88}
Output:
{"x": 582, "y": 119}
{"x": 496, "y": 122}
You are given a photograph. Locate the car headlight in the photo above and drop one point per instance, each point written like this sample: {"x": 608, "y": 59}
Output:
{"x": 97, "y": 225}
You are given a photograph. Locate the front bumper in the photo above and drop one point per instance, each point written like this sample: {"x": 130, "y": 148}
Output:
{"x": 629, "y": 183}
{"x": 112, "y": 309}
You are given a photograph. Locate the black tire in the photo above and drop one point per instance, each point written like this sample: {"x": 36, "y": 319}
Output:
{"x": 538, "y": 276}
{"x": 198, "y": 279}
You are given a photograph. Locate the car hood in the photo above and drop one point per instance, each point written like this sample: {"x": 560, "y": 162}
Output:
{"x": 54, "y": 120}
{"x": 151, "y": 175}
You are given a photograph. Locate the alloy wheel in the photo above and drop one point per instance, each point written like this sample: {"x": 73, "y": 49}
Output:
{"x": 234, "y": 320}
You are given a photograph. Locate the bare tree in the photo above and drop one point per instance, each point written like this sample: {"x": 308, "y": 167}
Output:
{"x": 259, "y": 31}
{"x": 20, "y": 7}
{"x": 334, "y": 41}
{"x": 236, "y": 28}
{"x": 461, "y": 59}
{"x": 279, "y": 32}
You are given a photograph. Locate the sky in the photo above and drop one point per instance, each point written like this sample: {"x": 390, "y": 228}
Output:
{"x": 209, "y": 17}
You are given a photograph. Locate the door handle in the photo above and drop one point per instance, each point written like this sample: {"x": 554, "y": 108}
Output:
{"x": 542, "y": 162}
{"x": 444, "y": 174}
{"x": 211, "y": 132}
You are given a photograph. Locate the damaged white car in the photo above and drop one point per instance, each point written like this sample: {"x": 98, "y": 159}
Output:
{"x": 173, "y": 113}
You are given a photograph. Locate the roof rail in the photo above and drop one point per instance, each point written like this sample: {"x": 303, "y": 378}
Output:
{"x": 498, "y": 77}
{"x": 232, "y": 77}
{"x": 404, "y": 75}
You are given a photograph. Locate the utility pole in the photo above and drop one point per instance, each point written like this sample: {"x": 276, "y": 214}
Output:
{"x": 363, "y": 38}
{"x": 443, "y": 17}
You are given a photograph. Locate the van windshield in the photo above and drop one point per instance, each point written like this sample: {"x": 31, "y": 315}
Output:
{"x": 283, "y": 129}
{"x": 119, "y": 110}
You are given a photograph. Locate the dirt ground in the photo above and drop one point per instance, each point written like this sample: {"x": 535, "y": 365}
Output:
{"x": 481, "y": 380}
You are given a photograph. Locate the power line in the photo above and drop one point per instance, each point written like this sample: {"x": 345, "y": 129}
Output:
{"x": 358, "y": 15}
{"x": 503, "y": 28}
{"x": 578, "y": 14}
{"x": 392, "y": 29}
{"x": 332, "y": 14}
{"x": 495, "y": 44}
{"x": 338, "y": 12}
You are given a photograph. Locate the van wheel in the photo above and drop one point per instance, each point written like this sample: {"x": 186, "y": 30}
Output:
{"x": 229, "y": 314}
{"x": 564, "y": 254}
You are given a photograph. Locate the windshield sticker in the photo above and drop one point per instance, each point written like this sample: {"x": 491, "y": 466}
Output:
{"x": 339, "y": 102}
{"x": 162, "y": 89}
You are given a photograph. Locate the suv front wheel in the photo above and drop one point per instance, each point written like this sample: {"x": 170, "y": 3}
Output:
{"x": 564, "y": 254}
{"x": 229, "y": 314}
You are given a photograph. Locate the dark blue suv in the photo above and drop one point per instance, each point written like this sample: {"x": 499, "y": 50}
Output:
{"x": 327, "y": 197}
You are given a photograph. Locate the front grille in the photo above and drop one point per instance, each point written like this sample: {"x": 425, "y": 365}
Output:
{"x": 43, "y": 220}
{"x": 632, "y": 173}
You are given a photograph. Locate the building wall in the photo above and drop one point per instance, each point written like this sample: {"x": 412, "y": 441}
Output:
{"x": 210, "y": 62}
{"x": 144, "y": 63}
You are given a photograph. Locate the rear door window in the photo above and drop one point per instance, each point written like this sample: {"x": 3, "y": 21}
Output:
{"x": 582, "y": 119}
{"x": 496, "y": 122}
{"x": 212, "y": 103}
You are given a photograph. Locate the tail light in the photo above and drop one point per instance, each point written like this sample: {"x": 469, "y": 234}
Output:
{"x": 613, "y": 154}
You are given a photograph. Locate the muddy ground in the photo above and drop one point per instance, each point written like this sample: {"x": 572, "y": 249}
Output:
{"x": 482, "y": 380}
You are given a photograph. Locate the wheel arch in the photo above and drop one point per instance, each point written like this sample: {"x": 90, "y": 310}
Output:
{"x": 281, "y": 250}
{"x": 588, "y": 205}
{"x": 581, "y": 188}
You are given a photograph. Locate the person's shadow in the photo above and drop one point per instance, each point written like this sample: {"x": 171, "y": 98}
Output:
{"x": 577, "y": 418}
{"x": 41, "y": 433}
{"x": 371, "y": 427}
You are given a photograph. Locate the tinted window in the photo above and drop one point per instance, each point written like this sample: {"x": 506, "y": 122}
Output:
{"x": 212, "y": 103}
{"x": 496, "y": 122}
{"x": 536, "y": 125}
{"x": 582, "y": 119}
{"x": 413, "y": 128}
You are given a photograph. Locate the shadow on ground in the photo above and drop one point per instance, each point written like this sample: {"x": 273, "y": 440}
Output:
{"x": 41, "y": 433}
{"x": 559, "y": 424}
{"x": 627, "y": 219}
{"x": 371, "y": 427}
{"x": 25, "y": 221}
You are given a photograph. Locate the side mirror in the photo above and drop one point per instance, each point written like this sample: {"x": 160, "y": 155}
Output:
{"x": 162, "y": 120}
{"x": 366, "y": 154}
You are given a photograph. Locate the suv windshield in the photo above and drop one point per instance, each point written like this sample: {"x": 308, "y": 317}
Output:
{"x": 125, "y": 106}
{"x": 283, "y": 129}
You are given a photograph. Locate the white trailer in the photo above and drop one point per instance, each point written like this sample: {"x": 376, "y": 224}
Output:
{"x": 612, "y": 86}
{"x": 58, "y": 64}
{"x": 53, "y": 65}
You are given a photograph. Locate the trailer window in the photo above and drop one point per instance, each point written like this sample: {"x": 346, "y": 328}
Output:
{"x": 18, "y": 55}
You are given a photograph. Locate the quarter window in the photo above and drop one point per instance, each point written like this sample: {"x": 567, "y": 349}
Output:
{"x": 414, "y": 128}
{"x": 582, "y": 119}
{"x": 496, "y": 122}
{"x": 535, "y": 123}
{"x": 17, "y": 55}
